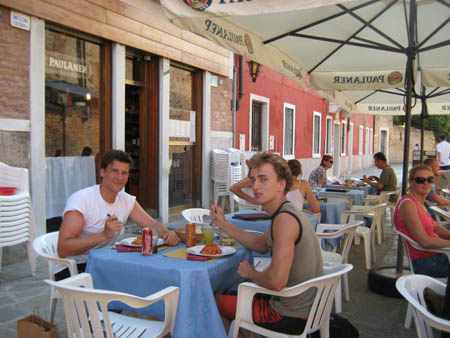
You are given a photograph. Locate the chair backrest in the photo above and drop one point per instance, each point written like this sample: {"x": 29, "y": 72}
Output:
{"x": 14, "y": 177}
{"x": 346, "y": 230}
{"x": 325, "y": 289}
{"x": 244, "y": 205}
{"x": 405, "y": 247}
{"x": 319, "y": 314}
{"x": 411, "y": 287}
{"x": 195, "y": 215}
{"x": 86, "y": 308}
{"x": 46, "y": 246}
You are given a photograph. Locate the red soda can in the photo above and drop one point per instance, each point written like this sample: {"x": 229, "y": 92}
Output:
{"x": 190, "y": 234}
{"x": 147, "y": 242}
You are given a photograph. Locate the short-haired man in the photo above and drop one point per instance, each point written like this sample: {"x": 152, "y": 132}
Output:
{"x": 432, "y": 195}
{"x": 387, "y": 180}
{"x": 291, "y": 241}
{"x": 443, "y": 152}
{"x": 93, "y": 216}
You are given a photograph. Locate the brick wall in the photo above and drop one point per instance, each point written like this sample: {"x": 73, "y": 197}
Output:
{"x": 14, "y": 69}
{"x": 221, "y": 114}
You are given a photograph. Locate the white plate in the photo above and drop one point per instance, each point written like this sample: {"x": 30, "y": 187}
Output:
{"x": 226, "y": 250}
{"x": 128, "y": 241}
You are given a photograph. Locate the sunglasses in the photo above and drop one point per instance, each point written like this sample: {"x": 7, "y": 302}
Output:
{"x": 422, "y": 180}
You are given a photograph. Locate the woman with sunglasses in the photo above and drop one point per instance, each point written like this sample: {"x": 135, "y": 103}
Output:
{"x": 318, "y": 177}
{"x": 412, "y": 218}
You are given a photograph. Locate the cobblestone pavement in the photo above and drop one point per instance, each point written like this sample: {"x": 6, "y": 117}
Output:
{"x": 374, "y": 315}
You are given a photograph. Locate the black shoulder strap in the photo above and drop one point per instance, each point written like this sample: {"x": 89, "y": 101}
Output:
{"x": 300, "y": 233}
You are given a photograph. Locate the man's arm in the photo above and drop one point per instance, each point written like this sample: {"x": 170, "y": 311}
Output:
{"x": 143, "y": 219}
{"x": 440, "y": 200}
{"x": 68, "y": 242}
{"x": 237, "y": 187}
{"x": 369, "y": 181}
{"x": 285, "y": 232}
{"x": 252, "y": 241}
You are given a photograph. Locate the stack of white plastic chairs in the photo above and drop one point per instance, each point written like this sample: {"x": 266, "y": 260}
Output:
{"x": 225, "y": 170}
{"x": 16, "y": 216}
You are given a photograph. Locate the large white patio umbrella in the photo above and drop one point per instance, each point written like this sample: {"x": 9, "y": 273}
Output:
{"x": 339, "y": 47}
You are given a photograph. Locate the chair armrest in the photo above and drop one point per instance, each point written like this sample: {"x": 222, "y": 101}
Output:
{"x": 70, "y": 263}
{"x": 327, "y": 226}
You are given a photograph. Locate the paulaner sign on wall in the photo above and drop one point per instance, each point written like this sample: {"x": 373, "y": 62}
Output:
{"x": 63, "y": 63}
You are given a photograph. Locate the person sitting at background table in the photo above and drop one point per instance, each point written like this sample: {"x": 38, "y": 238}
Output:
{"x": 387, "y": 180}
{"x": 93, "y": 216}
{"x": 291, "y": 241}
{"x": 412, "y": 218}
{"x": 432, "y": 195}
{"x": 300, "y": 189}
{"x": 318, "y": 177}
{"x": 242, "y": 189}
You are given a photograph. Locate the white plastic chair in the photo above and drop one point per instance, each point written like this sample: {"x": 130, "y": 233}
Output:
{"x": 349, "y": 200}
{"x": 331, "y": 259}
{"x": 87, "y": 314}
{"x": 244, "y": 205}
{"x": 16, "y": 215}
{"x": 442, "y": 216}
{"x": 319, "y": 314}
{"x": 46, "y": 247}
{"x": 375, "y": 213}
{"x": 411, "y": 287}
{"x": 195, "y": 215}
{"x": 406, "y": 239}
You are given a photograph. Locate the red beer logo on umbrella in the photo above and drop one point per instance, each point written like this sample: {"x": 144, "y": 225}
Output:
{"x": 198, "y": 5}
{"x": 395, "y": 78}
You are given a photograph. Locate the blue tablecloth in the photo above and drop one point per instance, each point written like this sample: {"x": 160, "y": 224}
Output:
{"x": 197, "y": 314}
{"x": 260, "y": 225}
{"x": 330, "y": 211}
{"x": 356, "y": 195}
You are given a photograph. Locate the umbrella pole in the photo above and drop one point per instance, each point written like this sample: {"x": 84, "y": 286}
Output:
{"x": 411, "y": 55}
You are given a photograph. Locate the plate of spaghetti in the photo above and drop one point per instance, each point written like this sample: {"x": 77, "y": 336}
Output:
{"x": 211, "y": 250}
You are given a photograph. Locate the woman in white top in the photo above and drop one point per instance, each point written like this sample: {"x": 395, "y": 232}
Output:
{"x": 301, "y": 189}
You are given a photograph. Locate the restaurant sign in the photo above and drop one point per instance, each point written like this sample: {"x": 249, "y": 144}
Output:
{"x": 56, "y": 62}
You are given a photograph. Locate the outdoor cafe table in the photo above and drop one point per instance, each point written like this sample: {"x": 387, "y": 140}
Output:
{"x": 197, "y": 313}
{"x": 262, "y": 225}
{"x": 365, "y": 188}
{"x": 356, "y": 195}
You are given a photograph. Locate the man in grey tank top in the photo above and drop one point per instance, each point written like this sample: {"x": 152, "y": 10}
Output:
{"x": 291, "y": 241}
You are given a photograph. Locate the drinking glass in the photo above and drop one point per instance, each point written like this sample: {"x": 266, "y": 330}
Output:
{"x": 208, "y": 233}
{"x": 225, "y": 239}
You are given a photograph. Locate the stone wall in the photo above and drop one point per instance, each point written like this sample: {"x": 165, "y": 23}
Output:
{"x": 396, "y": 138}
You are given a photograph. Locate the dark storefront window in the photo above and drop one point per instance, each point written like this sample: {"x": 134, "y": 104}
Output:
{"x": 73, "y": 95}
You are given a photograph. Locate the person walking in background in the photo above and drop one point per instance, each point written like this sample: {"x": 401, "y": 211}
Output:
{"x": 387, "y": 180}
{"x": 301, "y": 189}
{"x": 412, "y": 218}
{"x": 443, "y": 152}
{"x": 318, "y": 177}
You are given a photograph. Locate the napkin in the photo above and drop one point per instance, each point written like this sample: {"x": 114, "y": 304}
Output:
{"x": 126, "y": 248}
{"x": 192, "y": 257}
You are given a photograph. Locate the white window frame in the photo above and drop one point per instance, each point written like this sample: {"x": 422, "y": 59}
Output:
{"x": 329, "y": 136}
{"x": 315, "y": 113}
{"x": 367, "y": 142}
{"x": 361, "y": 139}
{"x": 289, "y": 106}
{"x": 343, "y": 138}
{"x": 371, "y": 140}
{"x": 265, "y": 121}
